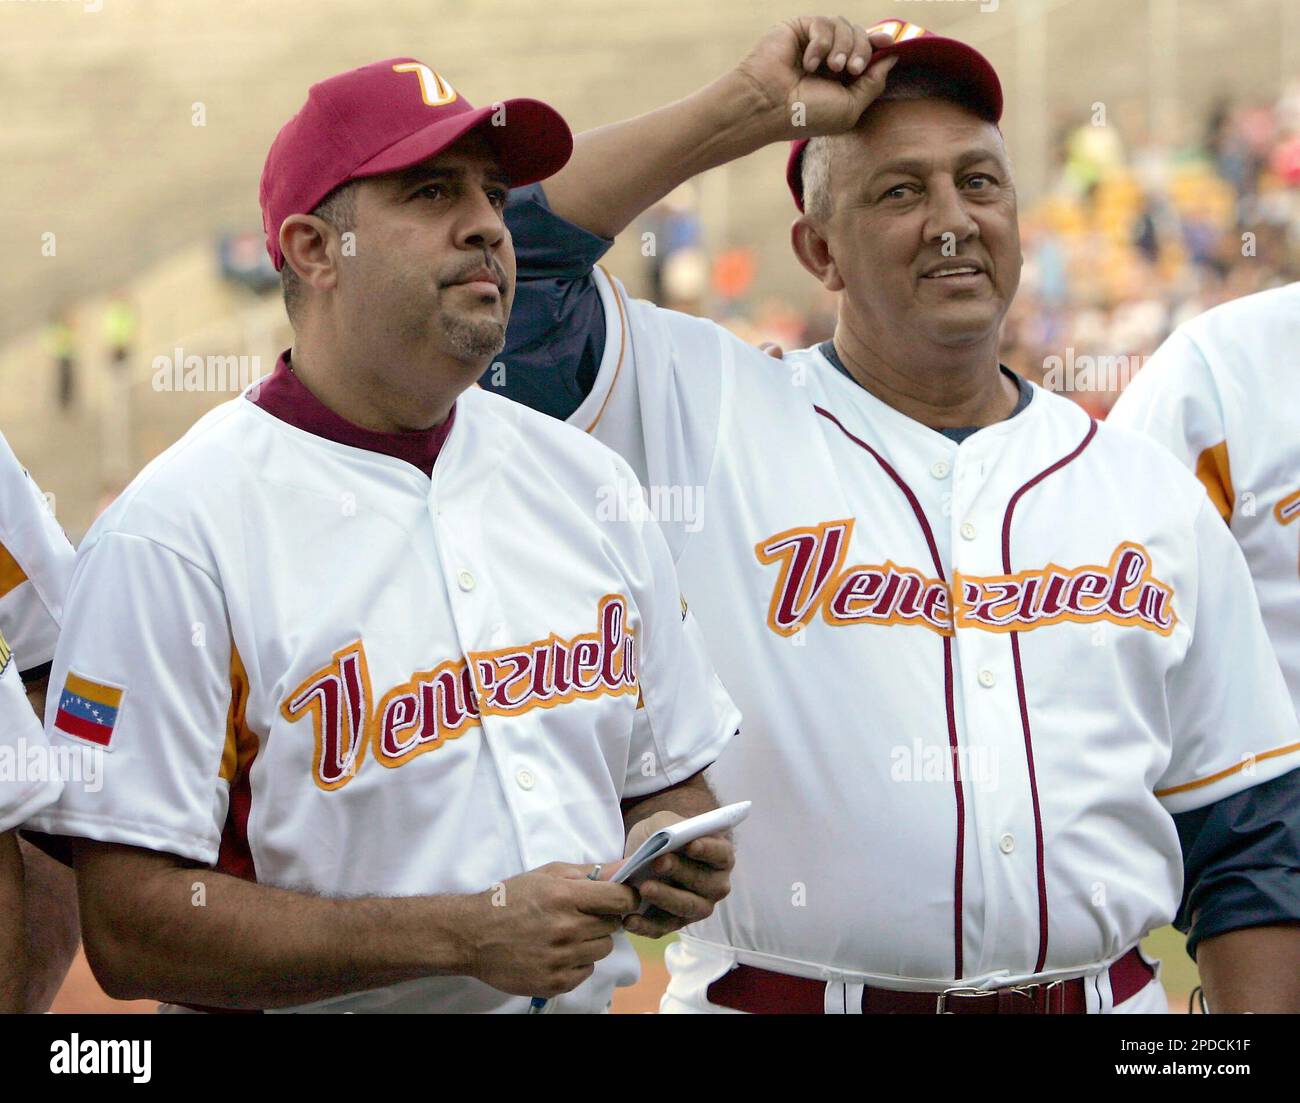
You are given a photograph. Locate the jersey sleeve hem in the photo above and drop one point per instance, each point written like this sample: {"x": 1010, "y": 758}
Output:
{"x": 587, "y": 416}
{"x": 705, "y": 755}
{"x": 1269, "y": 902}
{"x": 105, "y": 829}
{"x": 30, "y": 803}
{"x": 1251, "y": 770}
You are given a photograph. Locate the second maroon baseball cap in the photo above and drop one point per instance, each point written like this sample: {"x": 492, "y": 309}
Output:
{"x": 386, "y": 117}
{"x": 915, "y": 46}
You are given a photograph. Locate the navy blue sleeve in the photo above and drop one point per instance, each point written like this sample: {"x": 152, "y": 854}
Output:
{"x": 556, "y": 335}
{"x": 1241, "y": 859}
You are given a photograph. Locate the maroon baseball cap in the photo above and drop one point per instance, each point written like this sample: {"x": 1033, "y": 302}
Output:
{"x": 915, "y": 46}
{"x": 386, "y": 117}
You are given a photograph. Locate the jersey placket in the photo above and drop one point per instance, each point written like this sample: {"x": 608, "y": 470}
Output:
{"x": 480, "y": 625}
{"x": 920, "y": 467}
{"x": 1000, "y": 825}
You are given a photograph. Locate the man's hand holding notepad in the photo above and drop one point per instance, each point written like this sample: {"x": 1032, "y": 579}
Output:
{"x": 671, "y": 838}
{"x": 637, "y": 869}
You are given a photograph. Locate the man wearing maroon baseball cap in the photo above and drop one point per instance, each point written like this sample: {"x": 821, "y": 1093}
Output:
{"x": 338, "y": 168}
{"x": 903, "y": 440}
{"x": 965, "y": 73}
{"x": 502, "y": 691}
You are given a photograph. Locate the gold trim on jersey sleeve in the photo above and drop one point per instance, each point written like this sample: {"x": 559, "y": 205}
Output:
{"x": 1214, "y": 471}
{"x": 622, "y": 350}
{"x": 1249, "y": 760}
{"x": 1288, "y": 509}
{"x": 241, "y": 742}
{"x": 11, "y": 574}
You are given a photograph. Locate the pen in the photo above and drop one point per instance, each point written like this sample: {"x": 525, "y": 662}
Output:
{"x": 538, "y": 1003}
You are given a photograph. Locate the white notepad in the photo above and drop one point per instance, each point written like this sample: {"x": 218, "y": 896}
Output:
{"x": 668, "y": 840}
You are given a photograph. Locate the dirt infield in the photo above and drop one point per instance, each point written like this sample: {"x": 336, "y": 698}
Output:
{"x": 643, "y": 997}
{"x": 82, "y": 995}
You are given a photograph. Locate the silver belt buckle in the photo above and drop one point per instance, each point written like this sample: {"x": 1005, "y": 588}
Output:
{"x": 941, "y": 1005}
{"x": 1048, "y": 989}
{"x": 1029, "y": 991}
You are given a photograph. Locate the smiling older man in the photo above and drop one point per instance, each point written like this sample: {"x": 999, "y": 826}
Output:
{"x": 1011, "y": 702}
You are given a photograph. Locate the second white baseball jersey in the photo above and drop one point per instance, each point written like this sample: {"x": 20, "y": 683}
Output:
{"x": 35, "y": 563}
{"x": 27, "y": 782}
{"x": 310, "y": 664}
{"x": 977, "y": 678}
{"x": 1221, "y": 394}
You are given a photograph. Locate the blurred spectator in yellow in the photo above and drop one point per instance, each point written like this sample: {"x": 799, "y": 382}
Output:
{"x": 60, "y": 343}
{"x": 119, "y": 331}
{"x": 1093, "y": 152}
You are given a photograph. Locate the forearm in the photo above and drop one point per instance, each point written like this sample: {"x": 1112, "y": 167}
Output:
{"x": 618, "y": 171}
{"x": 188, "y": 935}
{"x": 52, "y": 930}
{"x": 1254, "y": 969}
{"x": 689, "y": 798}
{"x": 12, "y": 959}
{"x": 806, "y": 76}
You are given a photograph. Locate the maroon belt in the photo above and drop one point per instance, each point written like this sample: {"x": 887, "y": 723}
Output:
{"x": 762, "y": 992}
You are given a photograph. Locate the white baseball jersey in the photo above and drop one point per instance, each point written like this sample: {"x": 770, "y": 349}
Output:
{"x": 1220, "y": 393}
{"x": 35, "y": 562}
{"x": 35, "y": 565}
{"x": 311, "y": 665}
{"x": 27, "y": 782}
{"x": 977, "y": 678}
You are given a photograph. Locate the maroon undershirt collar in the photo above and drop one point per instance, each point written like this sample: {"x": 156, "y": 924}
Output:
{"x": 283, "y": 395}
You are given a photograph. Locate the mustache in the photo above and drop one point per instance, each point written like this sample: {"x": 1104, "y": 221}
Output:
{"x": 469, "y": 267}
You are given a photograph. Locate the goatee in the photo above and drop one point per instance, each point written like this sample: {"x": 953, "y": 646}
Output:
{"x": 473, "y": 340}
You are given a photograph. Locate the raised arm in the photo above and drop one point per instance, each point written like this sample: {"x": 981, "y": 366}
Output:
{"x": 805, "y": 77}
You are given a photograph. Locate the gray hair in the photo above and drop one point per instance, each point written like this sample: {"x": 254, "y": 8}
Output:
{"x": 910, "y": 84}
{"x": 339, "y": 209}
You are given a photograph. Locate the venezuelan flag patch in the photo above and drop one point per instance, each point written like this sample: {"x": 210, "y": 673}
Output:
{"x": 88, "y": 710}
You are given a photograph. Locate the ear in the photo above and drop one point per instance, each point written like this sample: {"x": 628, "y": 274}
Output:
{"x": 310, "y": 246}
{"x": 814, "y": 253}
